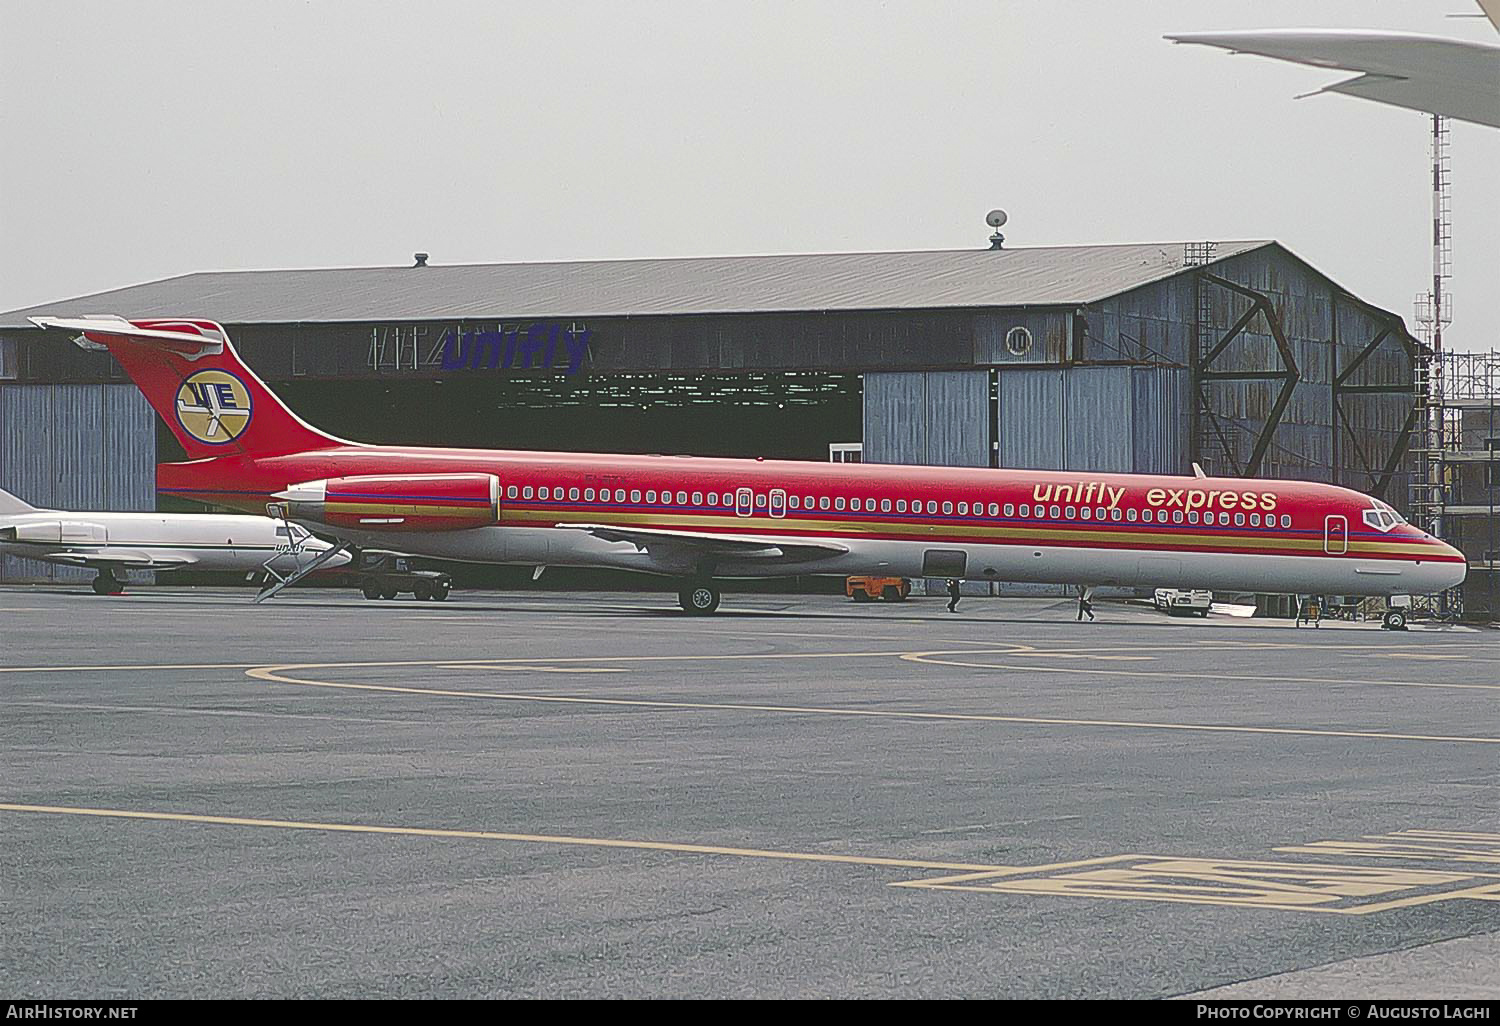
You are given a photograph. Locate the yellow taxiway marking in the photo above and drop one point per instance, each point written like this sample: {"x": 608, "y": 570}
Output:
{"x": 1283, "y": 886}
{"x": 492, "y": 835}
{"x": 278, "y": 675}
{"x": 1427, "y": 845}
{"x": 1298, "y": 887}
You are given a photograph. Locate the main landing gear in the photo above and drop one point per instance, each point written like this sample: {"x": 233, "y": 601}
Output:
{"x": 1394, "y": 620}
{"x": 108, "y": 584}
{"x": 699, "y": 598}
{"x": 1086, "y": 603}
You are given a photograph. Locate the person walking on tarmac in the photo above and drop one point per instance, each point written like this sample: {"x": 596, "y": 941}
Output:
{"x": 952, "y": 594}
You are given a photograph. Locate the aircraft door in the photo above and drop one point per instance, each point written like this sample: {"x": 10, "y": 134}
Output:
{"x": 742, "y": 500}
{"x": 1335, "y": 534}
{"x": 778, "y": 502}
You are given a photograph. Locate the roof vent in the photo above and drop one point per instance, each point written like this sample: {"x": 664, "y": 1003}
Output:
{"x": 421, "y": 259}
{"x": 996, "y": 218}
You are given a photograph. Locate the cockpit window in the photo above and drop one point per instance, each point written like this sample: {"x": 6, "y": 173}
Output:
{"x": 1381, "y": 519}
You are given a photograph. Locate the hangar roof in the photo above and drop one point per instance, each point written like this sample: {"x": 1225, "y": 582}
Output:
{"x": 1025, "y": 276}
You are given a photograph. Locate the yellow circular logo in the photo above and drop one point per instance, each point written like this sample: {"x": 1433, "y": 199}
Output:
{"x": 214, "y": 406}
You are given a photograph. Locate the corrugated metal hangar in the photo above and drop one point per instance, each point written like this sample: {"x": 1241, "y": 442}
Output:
{"x": 1240, "y": 356}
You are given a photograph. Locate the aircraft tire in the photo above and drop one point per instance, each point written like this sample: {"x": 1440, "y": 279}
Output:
{"x": 1394, "y": 620}
{"x": 103, "y": 585}
{"x": 699, "y": 599}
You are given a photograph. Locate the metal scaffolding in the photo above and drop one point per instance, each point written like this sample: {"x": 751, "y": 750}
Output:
{"x": 1455, "y": 492}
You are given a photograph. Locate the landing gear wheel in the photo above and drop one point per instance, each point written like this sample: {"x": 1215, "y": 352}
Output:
{"x": 108, "y": 584}
{"x": 1394, "y": 620}
{"x": 421, "y": 591}
{"x": 371, "y": 590}
{"x": 699, "y": 599}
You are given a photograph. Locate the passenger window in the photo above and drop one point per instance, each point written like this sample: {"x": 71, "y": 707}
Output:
{"x": 1147, "y": 515}
{"x": 1114, "y": 514}
{"x": 650, "y": 495}
{"x": 1177, "y": 516}
{"x": 1071, "y": 512}
{"x": 697, "y": 498}
{"x": 573, "y": 494}
{"x": 838, "y": 503}
{"x": 932, "y": 505}
{"x": 1088, "y": 514}
{"x": 682, "y": 498}
{"x": 995, "y": 509}
{"x": 794, "y": 501}
{"x": 619, "y": 495}
{"x": 543, "y": 493}
{"x": 1224, "y": 519}
{"x": 526, "y": 492}
{"x": 1055, "y": 513}
{"x": 635, "y": 495}
{"x": 854, "y": 505}
{"x": 823, "y": 502}
{"x": 1254, "y": 519}
{"x": 1130, "y": 515}
{"x": 1193, "y": 517}
{"x": 512, "y": 492}
{"x": 1025, "y": 509}
{"x": 947, "y": 507}
{"x": 1239, "y": 520}
{"x": 1010, "y": 509}
{"x": 809, "y": 502}
{"x": 588, "y": 495}
{"x": 1286, "y": 521}
{"x": 1099, "y": 513}
{"x": 760, "y": 500}
{"x": 900, "y": 505}
{"x": 963, "y": 509}
{"x": 885, "y": 505}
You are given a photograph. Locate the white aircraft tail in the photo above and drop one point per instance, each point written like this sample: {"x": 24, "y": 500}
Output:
{"x": 10, "y": 504}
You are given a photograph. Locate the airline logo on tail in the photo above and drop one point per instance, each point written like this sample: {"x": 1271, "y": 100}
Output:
{"x": 214, "y": 406}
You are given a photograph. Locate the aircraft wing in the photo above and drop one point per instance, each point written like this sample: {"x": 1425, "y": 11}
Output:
{"x": 1453, "y": 77}
{"x": 114, "y": 559}
{"x": 670, "y": 542}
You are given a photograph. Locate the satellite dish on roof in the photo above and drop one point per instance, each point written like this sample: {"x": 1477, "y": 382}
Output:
{"x": 995, "y": 218}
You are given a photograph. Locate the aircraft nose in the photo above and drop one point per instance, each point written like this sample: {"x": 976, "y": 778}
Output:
{"x": 1454, "y": 564}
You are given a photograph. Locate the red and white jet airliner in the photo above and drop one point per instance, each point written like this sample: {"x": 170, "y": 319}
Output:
{"x": 701, "y": 520}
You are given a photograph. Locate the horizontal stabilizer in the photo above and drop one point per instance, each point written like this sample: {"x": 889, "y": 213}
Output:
{"x": 189, "y": 339}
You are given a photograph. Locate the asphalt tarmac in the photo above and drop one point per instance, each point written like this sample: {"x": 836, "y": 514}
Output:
{"x": 575, "y": 795}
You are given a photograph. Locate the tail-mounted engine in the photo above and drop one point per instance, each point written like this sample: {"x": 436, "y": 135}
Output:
{"x": 423, "y": 502}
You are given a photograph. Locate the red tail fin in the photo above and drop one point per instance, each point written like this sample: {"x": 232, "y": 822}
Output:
{"x": 193, "y": 378}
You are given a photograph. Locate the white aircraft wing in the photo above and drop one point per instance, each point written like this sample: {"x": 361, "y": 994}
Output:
{"x": 671, "y": 542}
{"x": 1453, "y": 77}
{"x": 116, "y": 558}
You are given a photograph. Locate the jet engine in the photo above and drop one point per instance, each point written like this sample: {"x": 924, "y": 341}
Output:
{"x": 421, "y": 502}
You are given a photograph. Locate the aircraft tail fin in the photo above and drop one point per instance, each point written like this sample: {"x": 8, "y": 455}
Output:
{"x": 192, "y": 376}
{"x": 9, "y": 504}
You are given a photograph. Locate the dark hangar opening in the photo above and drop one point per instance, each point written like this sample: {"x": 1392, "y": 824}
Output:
{"x": 778, "y": 416}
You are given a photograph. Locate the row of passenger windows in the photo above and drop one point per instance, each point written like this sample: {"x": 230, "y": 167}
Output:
{"x": 932, "y": 506}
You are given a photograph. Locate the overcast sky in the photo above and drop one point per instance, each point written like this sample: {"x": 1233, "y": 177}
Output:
{"x": 148, "y": 139}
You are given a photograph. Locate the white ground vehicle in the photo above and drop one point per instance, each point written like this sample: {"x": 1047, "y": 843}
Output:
{"x": 1173, "y": 601}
